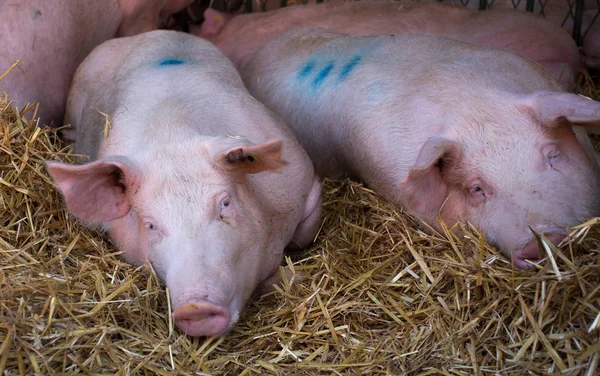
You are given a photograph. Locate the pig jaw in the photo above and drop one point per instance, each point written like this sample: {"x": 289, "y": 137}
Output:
{"x": 517, "y": 243}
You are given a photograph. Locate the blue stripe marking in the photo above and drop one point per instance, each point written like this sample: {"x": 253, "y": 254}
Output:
{"x": 322, "y": 75}
{"x": 170, "y": 62}
{"x": 305, "y": 71}
{"x": 348, "y": 67}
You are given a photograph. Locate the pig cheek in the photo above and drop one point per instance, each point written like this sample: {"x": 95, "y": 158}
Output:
{"x": 455, "y": 207}
{"x": 156, "y": 251}
{"x": 125, "y": 235}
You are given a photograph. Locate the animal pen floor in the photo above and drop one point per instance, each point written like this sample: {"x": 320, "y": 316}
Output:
{"x": 374, "y": 294}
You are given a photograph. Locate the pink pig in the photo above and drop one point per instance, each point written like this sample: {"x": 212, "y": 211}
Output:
{"x": 51, "y": 38}
{"x": 195, "y": 175}
{"x": 440, "y": 128}
{"x": 531, "y": 36}
{"x": 561, "y": 13}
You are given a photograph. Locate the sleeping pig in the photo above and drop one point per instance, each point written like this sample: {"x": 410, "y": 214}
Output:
{"x": 561, "y": 13}
{"x": 529, "y": 35}
{"x": 194, "y": 174}
{"x": 440, "y": 128}
{"x": 51, "y": 38}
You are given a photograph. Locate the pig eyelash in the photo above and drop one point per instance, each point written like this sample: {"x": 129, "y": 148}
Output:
{"x": 224, "y": 204}
{"x": 477, "y": 190}
{"x": 551, "y": 157}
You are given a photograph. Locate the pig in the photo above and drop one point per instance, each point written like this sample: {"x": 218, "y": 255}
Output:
{"x": 440, "y": 128}
{"x": 558, "y": 12}
{"x": 195, "y": 175}
{"x": 51, "y": 38}
{"x": 561, "y": 13}
{"x": 238, "y": 37}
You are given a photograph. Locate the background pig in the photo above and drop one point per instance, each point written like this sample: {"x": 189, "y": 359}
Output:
{"x": 561, "y": 13}
{"x": 440, "y": 128}
{"x": 51, "y": 38}
{"x": 555, "y": 11}
{"x": 239, "y": 36}
{"x": 195, "y": 175}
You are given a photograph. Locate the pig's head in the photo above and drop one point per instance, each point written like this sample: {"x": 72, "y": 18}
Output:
{"x": 225, "y": 30}
{"x": 516, "y": 168}
{"x": 213, "y": 24}
{"x": 196, "y": 214}
{"x": 140, "y": 16}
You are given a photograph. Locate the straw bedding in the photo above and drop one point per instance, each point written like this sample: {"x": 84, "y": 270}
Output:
{"x": 373, "y": 295}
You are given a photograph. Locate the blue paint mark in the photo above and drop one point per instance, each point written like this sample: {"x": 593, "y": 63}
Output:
{"x": 348, "y": 67}
{"x": 170, "y": 62}
{"x": 322, "y": 75}
{"x": 306, "y": 70}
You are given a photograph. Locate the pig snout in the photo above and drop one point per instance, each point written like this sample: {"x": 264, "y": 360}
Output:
{"x": 532, "y": 252}
{"x": 201, "y": 317}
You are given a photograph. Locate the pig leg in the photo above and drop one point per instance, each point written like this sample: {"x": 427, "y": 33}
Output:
{"x": 308, "y": 227}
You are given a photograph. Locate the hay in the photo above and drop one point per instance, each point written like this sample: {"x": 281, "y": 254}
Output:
{"x": 373, "y": 295}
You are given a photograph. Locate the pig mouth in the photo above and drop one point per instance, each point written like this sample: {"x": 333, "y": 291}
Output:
{"x": 533, "y": 252}
{"x": 203, "y": 318}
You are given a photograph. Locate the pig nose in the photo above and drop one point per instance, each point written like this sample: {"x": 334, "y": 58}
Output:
{"x": 532, "y": 252}
{"x": 202, "y": 318}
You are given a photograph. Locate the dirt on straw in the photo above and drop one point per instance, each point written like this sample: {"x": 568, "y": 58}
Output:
{"x": 373, "y": 295}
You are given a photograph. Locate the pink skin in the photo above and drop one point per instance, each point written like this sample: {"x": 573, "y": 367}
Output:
{"x": 552, "y": 47}
{"x": 498, "y": 144}
{"x": 51, "y": 38}
{"x": 556, "y": 11}
{"x": 201, "y": 180}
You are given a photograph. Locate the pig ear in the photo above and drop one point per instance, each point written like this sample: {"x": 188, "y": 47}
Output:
{"x": 549, "y": 106}
{"x": 213, "y": 23}
{"x": 252, "y": 159}
{"x": 95, "y": 191}
{"x": 424, "y": 189}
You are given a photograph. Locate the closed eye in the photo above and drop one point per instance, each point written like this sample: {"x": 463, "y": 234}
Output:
{"x": 224, "y": 207}
{"x": 477, "y": 190}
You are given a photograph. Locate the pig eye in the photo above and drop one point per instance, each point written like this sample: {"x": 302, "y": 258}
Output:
{"x": 551, "y": 153}
{"x": 477, "y": 190}
{"x": 223, "y": 206}
{"x": 150, "y": 226}
{"x": 552, "y": 157}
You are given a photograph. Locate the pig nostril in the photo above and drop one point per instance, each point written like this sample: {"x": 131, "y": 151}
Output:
{"x": 202, "y": 318}
{"x": 531, "y": 253}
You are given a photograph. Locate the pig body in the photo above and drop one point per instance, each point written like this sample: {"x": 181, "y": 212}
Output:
{"x": 531, "y": 36}
{"x": 439, "y": 128}
{"x": 195, "y": 175}
{"x": 555, "y": 11}
{"x": 558, "y": 12}
{"x": 51, "y": 38}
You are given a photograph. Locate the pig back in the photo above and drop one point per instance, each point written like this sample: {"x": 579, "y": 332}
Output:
{"x": 124, "y": 78}
{"x": 167, "y": 87}
{"x": 50, "y": 38}
{"x": 347, "y": 96}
